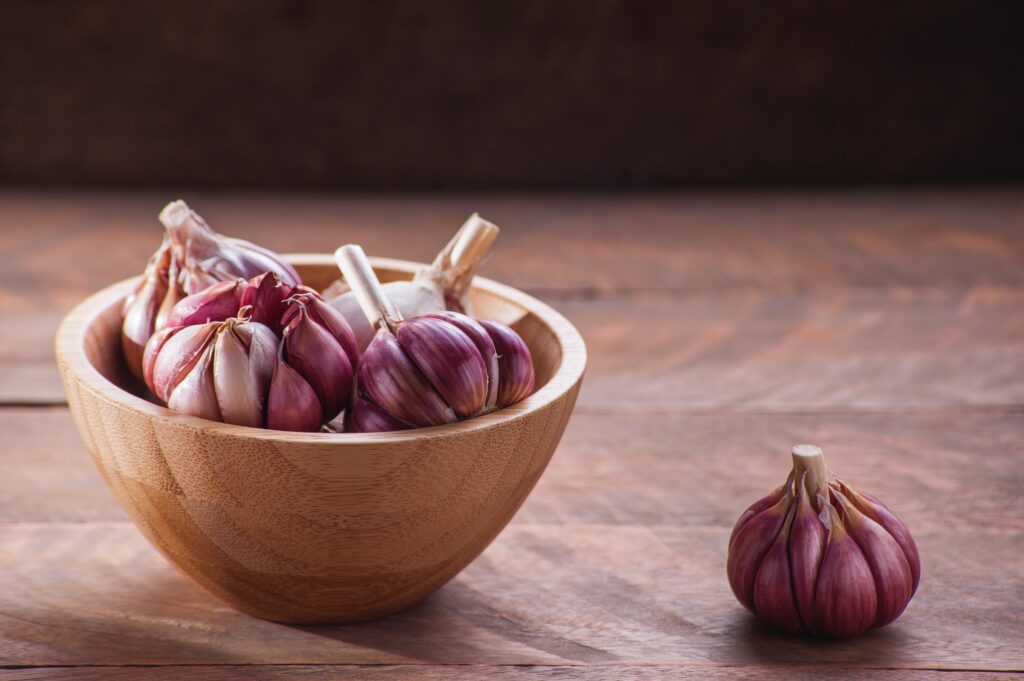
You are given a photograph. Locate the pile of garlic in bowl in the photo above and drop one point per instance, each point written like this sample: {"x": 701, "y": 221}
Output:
{"x": 223, "y": 329}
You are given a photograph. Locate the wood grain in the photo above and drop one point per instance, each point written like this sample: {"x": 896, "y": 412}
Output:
{"x": 541, "y": 594}
{"x": 680, "y": 468}
{"x": 609, "y": 672}
{"x": 884, "y": 326}
{"x": 612, "y": 558}
{"x": 864, "y": 349}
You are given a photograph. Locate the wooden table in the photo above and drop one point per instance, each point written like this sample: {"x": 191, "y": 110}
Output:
{"x": 886, "y": 326}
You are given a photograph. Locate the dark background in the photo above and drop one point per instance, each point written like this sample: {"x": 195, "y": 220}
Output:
{"x": 470, "y": 95}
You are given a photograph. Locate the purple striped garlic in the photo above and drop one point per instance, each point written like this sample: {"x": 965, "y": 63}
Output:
{"x": 817, "y": 556}
{"x": 266, "y": 295}
{"x": 443, "y": 285}
{"x": 430, "y": 369}
{"x": 191, "y": 258}
{"x": 240, "y": 371}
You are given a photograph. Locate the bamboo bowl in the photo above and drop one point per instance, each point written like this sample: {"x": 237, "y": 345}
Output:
{"x": 300, "y": 527}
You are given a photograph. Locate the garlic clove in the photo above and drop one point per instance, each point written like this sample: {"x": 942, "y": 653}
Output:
{"x": 807, "y": 539}
{"x": 892, "y": 576}
{"x": 153, "y": 347}
{"x": 245, "y": 355}
{"x": 761, "y": 504}
{"x": 172, "y": 296}
{"x": 291, "y": 402}
{"x": 880, "y": 513}
{"x": 367, "y": 417}
{"x": 215, "y": 303}
{"x": 449, "y": 360}
{"x": 139, "y": 320}
{"x": 846, "y": 600}
{"x": 178, "y": 355}
{"x": 484, "y": 345}
{"x": 389, "y": 378}
{"x": 515, "y": 365}
{"x": 266, "y": 295}
{"x": 327, "y": 317}
{"x": 750, "y": 544}
{"x": 195, "y": 393}
{"x": 315, "y": 354}
{"x": 773, "y": 584}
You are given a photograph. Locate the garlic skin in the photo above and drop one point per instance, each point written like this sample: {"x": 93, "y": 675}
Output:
{"x": 219, "y": 370}
{"x": 443, "y": 285}
{"x": 320, "y": 347}
{"x": 431, "y": 369}
{"x": 191, "y": 258}
{"x": 817, "y": 556}
{"x": 240, "y": 371}
{"x": 205, "y": 257}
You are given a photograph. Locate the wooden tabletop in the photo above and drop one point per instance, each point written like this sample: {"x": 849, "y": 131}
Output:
{"x": 885, "y": 326}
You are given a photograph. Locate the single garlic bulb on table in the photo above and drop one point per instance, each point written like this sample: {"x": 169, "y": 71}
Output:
{"x": 444, "y": 285}
{"x": 433, "y": 368}
{"x": 285, "y": 362}
{"x": 191, "y": 258}
{"x": 815, "y": 555}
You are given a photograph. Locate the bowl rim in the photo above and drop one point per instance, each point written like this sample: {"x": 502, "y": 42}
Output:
{"x": 70, "y": 349}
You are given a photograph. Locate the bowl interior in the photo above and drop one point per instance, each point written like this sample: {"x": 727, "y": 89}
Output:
{"x": 102, "y": 345}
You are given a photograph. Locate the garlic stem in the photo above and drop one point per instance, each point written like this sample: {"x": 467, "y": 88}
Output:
{"x": 473, "y": 241}
{"x": 175, "y": 214}
{"x": 463, "y": 254}
{"x": 809, "y": 460}
{"x": 359, "y": 275}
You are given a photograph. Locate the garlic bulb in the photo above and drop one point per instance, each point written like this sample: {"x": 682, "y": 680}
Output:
{"x": 239, "y": 371}
{"x": 433, "y": 368}
{"x": 190, "y": 259}
{"x": 444, "y": 285}
{"x": 816, "y": 555}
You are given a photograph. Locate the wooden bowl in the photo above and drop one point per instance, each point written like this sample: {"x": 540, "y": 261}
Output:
{"x": 310, "y": 527}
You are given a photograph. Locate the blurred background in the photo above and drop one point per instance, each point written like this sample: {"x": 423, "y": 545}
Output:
{"x": 460, "y": 95}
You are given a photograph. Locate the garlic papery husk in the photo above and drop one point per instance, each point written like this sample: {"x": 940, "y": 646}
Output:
{"x": 428, "y": 370}
{"x": 205, "y": 257}
{"x": 815, "y": 555}
{"x": 443, "y": 285}
{"x": 191, "y": 258}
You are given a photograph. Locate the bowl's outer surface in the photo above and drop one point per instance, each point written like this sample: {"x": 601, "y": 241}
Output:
{"x": 315, "y": 527}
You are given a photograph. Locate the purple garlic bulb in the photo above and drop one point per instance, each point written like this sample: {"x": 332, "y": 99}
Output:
{"x": 431, "y": 369}
{"x": 815, "y": 555}
{"x": 240, "y": 371}
{"x": 191, "y": 258}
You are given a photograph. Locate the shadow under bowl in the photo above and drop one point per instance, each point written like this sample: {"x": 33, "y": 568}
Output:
{"x": 313, "y": 527}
